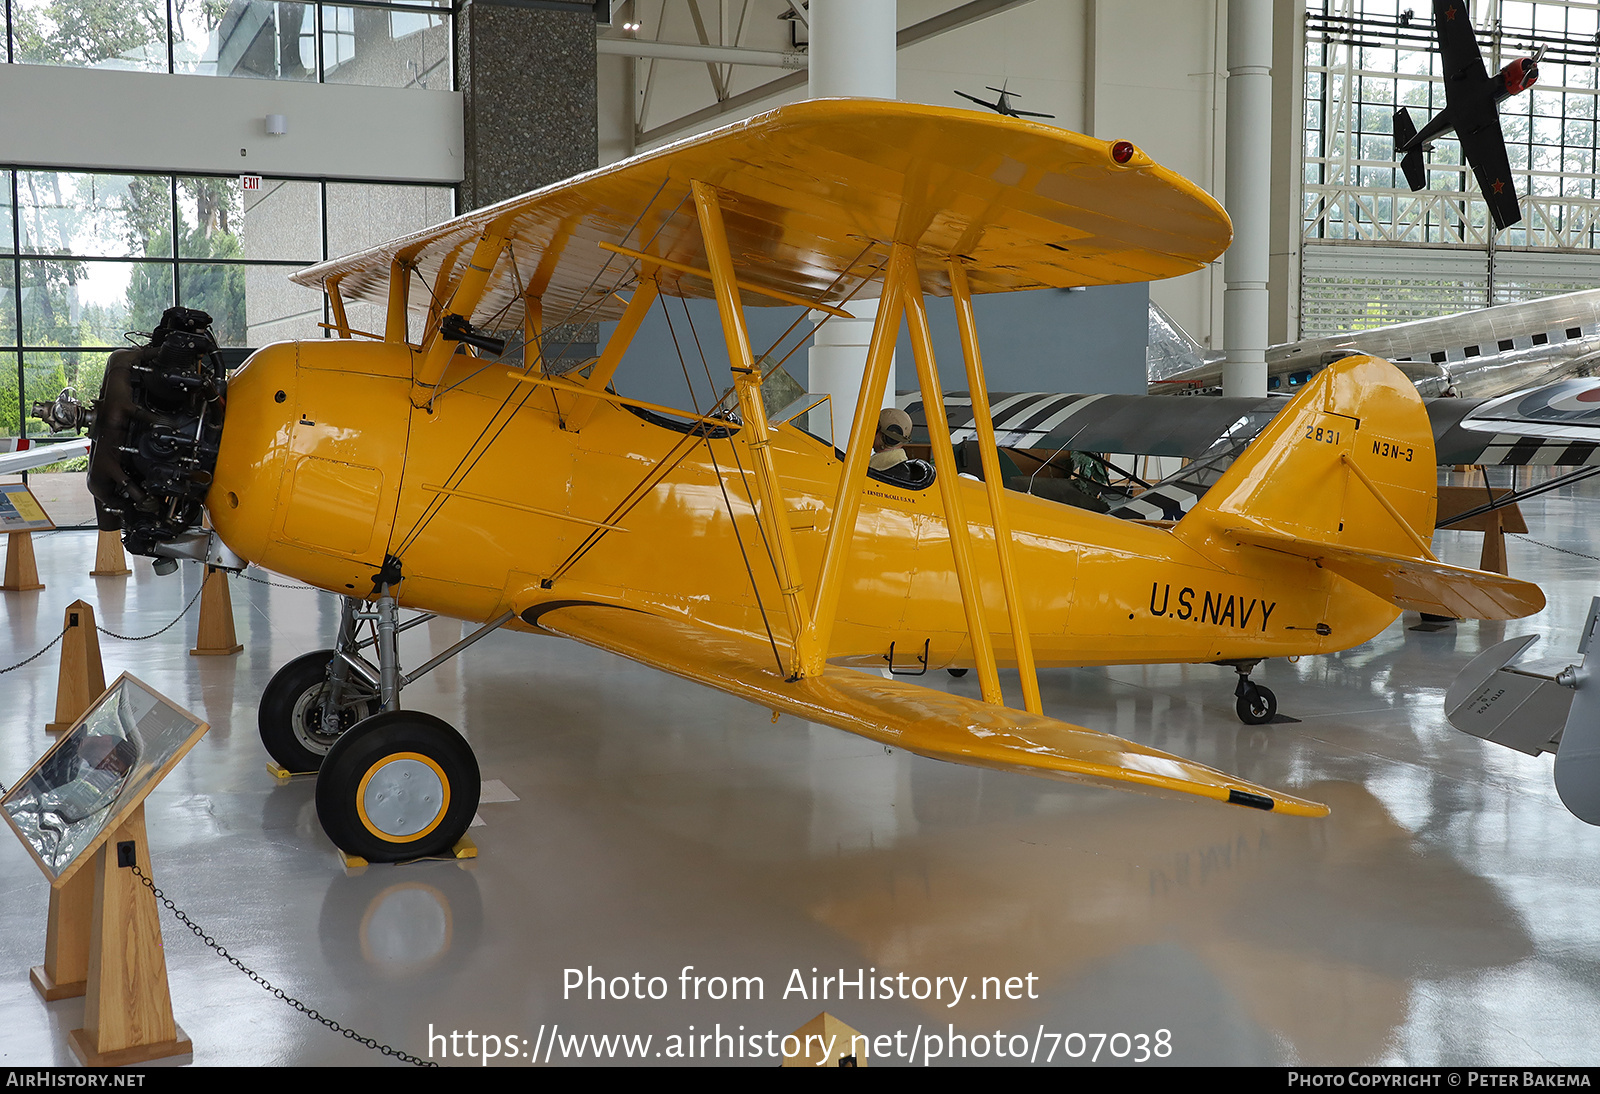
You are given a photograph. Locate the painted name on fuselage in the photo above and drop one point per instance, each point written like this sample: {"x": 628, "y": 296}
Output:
{"x": 1205, "y": 606}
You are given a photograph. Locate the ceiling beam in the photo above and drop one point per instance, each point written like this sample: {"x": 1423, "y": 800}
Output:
{"x": 957, "y": 17}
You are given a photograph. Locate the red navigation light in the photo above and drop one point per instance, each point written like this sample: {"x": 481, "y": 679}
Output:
{"x": 1122, "y": 151}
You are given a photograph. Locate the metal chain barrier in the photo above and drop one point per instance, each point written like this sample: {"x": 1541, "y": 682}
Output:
{"x": 315, "y": 1016}
{"x": 277, "y": 584}
{"x": 163, "y": 630}
{"x": 1553, "y": 547}
{"x": 40, "y": 654}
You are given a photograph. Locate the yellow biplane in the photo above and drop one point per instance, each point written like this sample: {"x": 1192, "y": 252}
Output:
{"x": 751, "y": 556}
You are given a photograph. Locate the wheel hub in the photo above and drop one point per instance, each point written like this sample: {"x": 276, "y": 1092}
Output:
{"x": 403, "y": 797}
{"x": 307, "y": 720}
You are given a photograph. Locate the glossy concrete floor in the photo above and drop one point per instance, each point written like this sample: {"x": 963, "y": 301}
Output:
{"x": 1444, "y": 914}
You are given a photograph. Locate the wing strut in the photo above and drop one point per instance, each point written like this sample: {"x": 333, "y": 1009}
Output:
{"x": 944, "y": 460}
{"x": 336, "y": 303}
{"x": 755, "y": 434}
{"x": 394, "y": 329}
{"x": 468, "y": 291}
{"x": 852, "y": 479}
{"x": 988, "y": 451}
{"x": 644, "y": 295}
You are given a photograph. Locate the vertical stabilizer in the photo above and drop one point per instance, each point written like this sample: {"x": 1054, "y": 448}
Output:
{"x": 1358, "y": 421}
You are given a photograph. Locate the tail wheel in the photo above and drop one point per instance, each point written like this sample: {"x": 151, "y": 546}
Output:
{"x": 1257, "y": 705}
{"x": 399, "y": 785}
{"x": 290, "y": 715}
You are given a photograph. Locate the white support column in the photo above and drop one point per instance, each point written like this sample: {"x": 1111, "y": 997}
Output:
{"x": 1249, "y": 196}
{"x": 852, "y": 53}
{"x": 837, "y": 359}
{"x": 852, "y": 49}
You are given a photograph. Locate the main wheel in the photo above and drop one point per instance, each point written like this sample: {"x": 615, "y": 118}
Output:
{"x": 290, "y": 712}
{"x": 400, "y": 785}
{"x": 1257, "y": 706}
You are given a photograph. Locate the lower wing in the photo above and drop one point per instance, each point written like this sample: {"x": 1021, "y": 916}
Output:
{"x": 893, "y": 712}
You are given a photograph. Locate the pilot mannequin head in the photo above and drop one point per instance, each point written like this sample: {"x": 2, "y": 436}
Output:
{"x": 894, "y": 428}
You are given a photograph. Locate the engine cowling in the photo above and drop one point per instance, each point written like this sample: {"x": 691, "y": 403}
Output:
{"x": 1520, "y": 75}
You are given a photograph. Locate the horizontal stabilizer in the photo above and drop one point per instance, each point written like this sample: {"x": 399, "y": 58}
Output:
{"x": 1533, "y": 712}
{"x": 1417, "y": 584}
{"x": 904, "y": 715}
{"x": 1512, "y": 707}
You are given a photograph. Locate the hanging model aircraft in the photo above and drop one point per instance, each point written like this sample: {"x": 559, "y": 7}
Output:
{"x": 711, "y": 544}
{"x": 1002, "y": 104}
{"x": 1472, "y": 110}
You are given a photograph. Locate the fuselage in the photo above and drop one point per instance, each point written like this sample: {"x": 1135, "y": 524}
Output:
{"x": 326, "y": 468}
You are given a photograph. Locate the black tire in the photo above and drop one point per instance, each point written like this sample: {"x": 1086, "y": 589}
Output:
{"x": 366, "y": 799}
{"x": 957, "y": 673}
{"x": 1257, "y": 706}
{"x": 290, "y": 718}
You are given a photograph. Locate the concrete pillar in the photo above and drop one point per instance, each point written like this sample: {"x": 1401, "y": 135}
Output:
{"x": 852, "y": 53}
{"x": 1249, "y": 197}
{"x": 528, "y": 80}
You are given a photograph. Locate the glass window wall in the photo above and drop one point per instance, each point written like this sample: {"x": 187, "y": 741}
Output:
{"x": 403, "y": 44}
{"x": 88, "y": 258}
{"x": 1364, "y": 60}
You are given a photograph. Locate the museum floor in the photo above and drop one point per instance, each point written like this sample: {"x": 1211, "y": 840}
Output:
{"x": 1444, "y": 914}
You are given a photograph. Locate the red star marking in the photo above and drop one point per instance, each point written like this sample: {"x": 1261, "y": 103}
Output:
{"x": 1450, "y": 14}
{"x": 1498, "y": 186}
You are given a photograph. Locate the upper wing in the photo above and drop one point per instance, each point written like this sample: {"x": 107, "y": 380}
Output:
{"x": 809, "y": 190}
{"x": 917, "y": 719}
{"x": 1485, "y": 149}
{"x": 1458, "y": 43}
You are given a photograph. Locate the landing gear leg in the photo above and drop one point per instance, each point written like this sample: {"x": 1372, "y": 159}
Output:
{"x": 1255, "y": 703}
{"x": 313, "y": 699}
{"x": 397, "y": 785}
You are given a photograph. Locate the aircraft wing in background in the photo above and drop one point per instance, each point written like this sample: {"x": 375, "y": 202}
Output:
{"x": 28, "y": 454}
{"x": 1477, "y": 354}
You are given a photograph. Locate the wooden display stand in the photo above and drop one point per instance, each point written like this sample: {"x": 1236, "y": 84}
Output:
{"x": 68, "y": 928}
{"x": 1494, "y": 524}
{"x": 127, "y": 1010}
{"x": 109, "y": 559}
{"x": 103, "y": 935}
{"x": 22, "y": 570}
{"x": 20, "y": 516}
{"x": 82, "y": 677}
{"x": 216, "y": 635}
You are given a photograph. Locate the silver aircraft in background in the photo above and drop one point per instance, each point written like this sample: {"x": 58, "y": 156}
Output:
{"x": 1478, "y": 354}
